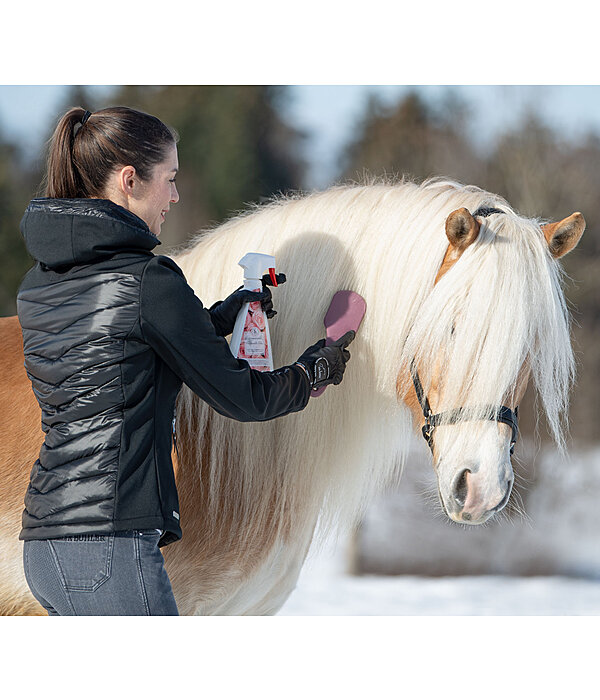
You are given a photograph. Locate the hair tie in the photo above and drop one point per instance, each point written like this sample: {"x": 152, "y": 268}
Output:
{"x": 86, "y": 115}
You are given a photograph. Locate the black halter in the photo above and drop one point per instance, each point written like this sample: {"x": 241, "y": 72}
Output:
{"x": 486, "y": 211}
{"x": 502, "y": 414}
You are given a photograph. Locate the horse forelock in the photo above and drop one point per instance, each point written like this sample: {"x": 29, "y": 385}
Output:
{"x": 386, "y": 242}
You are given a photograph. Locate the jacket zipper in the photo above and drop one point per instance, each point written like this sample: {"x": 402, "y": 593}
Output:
{"x": 175, "y": 435}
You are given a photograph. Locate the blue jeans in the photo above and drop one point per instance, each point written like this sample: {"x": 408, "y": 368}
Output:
{"x": 120, "y": 573}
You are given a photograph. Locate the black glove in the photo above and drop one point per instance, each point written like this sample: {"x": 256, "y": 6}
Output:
{"x": 224, "y": 313}
{"x": 326, "y": 365}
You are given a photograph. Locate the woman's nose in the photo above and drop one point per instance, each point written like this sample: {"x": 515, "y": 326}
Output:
{"x": 174, "y": 195}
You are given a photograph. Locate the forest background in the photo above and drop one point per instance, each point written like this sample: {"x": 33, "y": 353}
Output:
{"x": 242, "y": 147}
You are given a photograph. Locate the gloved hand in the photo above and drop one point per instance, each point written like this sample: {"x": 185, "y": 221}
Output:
{"x": 326, "y": 365}
{"x": 224, "y": 313}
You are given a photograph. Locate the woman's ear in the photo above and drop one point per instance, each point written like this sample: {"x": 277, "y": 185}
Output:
{"x": 126, "y": 180}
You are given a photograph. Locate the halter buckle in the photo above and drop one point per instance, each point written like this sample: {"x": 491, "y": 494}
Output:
{"x": 428, "y": 429}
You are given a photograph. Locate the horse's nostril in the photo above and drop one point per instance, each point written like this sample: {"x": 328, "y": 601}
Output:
{"x": 504, "y": 501}
{"x": 461, "y": 487}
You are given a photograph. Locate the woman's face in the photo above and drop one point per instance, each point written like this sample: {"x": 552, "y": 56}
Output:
{"x": 154, "y": 197}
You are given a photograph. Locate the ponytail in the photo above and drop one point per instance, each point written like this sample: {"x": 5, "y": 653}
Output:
{"x": 62, "y": 178}
{"x": 87, "y": 147}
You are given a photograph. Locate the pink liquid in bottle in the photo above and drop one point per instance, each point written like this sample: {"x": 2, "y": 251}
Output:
{"x": 254, "y": 345}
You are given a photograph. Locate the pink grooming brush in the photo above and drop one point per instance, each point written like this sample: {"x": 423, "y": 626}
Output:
{"x": 344, "y": 314}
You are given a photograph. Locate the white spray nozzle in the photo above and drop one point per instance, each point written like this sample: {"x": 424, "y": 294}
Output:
{"x": 255, "y": 264}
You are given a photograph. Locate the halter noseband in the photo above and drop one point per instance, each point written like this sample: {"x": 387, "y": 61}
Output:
{"x": 501, "y": 414}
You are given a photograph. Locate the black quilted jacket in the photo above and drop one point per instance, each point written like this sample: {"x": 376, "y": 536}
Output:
{"x": 110, "y": 332}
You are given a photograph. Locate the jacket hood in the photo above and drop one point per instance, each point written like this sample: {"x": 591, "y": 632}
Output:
{"x": 64, "y": 232}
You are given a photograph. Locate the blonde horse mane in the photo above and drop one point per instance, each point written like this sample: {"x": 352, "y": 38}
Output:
{"x": 500, "y": 305}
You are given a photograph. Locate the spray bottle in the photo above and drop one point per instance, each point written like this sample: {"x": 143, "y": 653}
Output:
{"x": 250, "y": 339}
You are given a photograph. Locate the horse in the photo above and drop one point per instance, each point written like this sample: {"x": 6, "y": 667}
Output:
{"x": 462, "y": 292}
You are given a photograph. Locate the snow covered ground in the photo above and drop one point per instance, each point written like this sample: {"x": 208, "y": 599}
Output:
{"x": 325, "y": 589}
{"x": 456, "y": 595}
{"x": 558, "y": 542}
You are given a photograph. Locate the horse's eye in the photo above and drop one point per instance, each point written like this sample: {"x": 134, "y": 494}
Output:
{"x": 452, "y": 330}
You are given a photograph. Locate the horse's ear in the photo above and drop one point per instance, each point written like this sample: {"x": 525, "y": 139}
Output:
{"x": 461, "y": 228}
{"x": 563, "y": 236}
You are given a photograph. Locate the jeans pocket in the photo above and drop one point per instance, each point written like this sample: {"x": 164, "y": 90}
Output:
{"x": 153, "y": 535}
{"x": 84, "y": 561}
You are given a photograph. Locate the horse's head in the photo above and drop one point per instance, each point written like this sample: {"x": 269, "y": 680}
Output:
{"x": 484, "y": 332}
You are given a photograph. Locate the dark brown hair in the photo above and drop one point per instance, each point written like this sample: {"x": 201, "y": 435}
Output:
{"x": 82, "y": 156}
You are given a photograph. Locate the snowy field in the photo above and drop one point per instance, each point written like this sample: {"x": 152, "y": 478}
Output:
{"x": 558, "y": 542}
{"x": 324, "y": 589}
{"x": 539, "y": 642}
{"x": 456, "y": 595}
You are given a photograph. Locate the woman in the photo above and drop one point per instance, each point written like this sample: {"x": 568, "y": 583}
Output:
{"x": 110, "y": 332}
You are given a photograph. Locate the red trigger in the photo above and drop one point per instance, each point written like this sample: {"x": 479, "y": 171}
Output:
{"x": 273, "y": 277}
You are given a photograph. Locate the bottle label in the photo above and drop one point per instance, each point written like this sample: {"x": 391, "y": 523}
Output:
{"x": 254, "y": 345}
